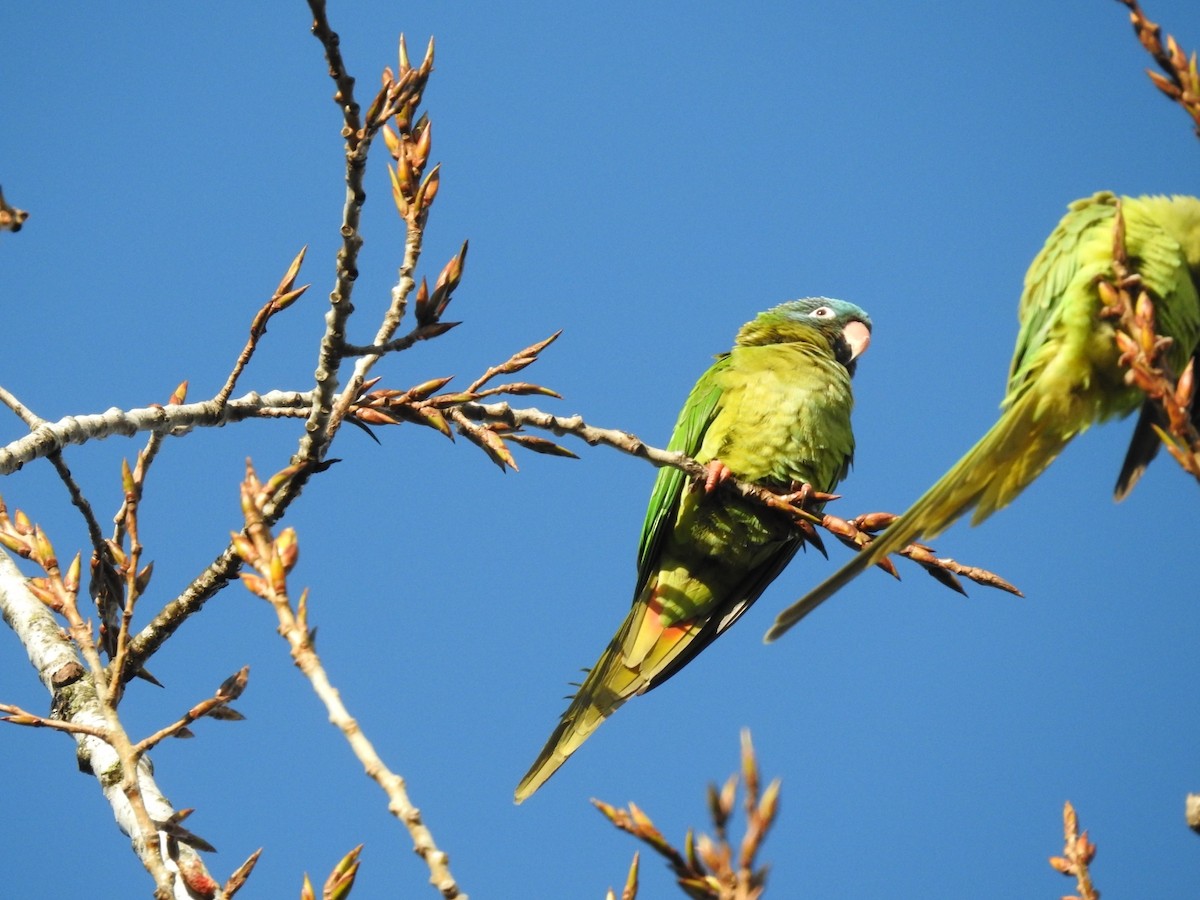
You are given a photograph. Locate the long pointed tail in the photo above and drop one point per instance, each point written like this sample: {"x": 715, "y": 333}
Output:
{"x": 594, "y": 702}
{"x": 639, "y": 657}
{"x": 1015, "y": 451}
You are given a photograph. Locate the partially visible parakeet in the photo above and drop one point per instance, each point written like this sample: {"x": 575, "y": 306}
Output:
{"x": 1065, "y": 373}
{"x": 774, "y": 410}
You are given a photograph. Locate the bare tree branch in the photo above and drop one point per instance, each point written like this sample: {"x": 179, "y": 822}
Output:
{"x": 273, "y": 558}
{"x": 136, "y": 800}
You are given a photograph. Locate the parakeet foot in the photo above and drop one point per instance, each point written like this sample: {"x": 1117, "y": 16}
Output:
{"x": 717, "y": 473}
{"x": 803, "y": 494}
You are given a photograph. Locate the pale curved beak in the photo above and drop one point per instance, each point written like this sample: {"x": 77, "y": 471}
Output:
{"x": 858, "y": 336}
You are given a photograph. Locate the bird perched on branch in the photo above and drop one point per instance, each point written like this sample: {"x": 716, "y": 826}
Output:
{"x": 1066, "y": 372}
{"x": 775, "y": 410}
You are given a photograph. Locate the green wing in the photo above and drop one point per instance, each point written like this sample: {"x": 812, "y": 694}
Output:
{"x": 1042, "y": 304}
{"x": 699, "y": 410}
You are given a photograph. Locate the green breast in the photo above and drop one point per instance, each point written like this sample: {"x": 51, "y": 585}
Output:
{"x": 785, "y": 416}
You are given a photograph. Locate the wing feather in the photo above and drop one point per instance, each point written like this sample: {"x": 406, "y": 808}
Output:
{"x": 699, "y": 410}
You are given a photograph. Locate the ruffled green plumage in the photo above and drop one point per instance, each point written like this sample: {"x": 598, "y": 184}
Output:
{"x": 1065, "y": 374}
{"x": 774, "y": 410}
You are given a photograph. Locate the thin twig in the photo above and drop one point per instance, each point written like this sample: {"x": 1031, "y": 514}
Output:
{"x": 413, "y": 192}
{"x": 216, "y": 706}
{"x": 18, "y": 716}
{"x": 708, "y": 868}
{"x": 285, "y": 295}
{"x": 358, "y": 141}
{"x": 105, "y": 586}
{"x": 272, "y": 558}
{"x": 33, "y": 422}
{"x": 420, "y": 333}
{"x": 147, "y": 456}
{"x": 1078, "y": 853}
{"x": 344, "y": 95}
{"x": 1182, "y": 80}
{"x": 102, "y": 559}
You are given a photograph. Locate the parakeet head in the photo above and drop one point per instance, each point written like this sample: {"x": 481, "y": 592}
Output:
{"x": 845, "y": 326}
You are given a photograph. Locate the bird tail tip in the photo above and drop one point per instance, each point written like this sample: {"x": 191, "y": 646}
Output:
{"x": 545, "y": 766}
{"x": 582, "y": 717}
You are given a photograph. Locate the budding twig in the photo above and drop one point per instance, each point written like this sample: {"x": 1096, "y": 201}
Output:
{"x": 272, "y": 559}
{"x": 1182, "y": 80}
{"x": 285, "y": 295}
{"x": 1078, "y": 853}
{"x": 1144, "y": 352}
{"x": 708, "y": 868}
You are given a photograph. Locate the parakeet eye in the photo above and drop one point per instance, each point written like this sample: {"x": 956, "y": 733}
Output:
{"x": 822, "y": 312}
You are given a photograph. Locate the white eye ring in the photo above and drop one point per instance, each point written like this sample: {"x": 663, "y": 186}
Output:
{"x": 822, "y": 312}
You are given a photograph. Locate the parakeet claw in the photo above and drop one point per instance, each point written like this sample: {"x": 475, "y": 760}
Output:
{"x": 717, "y": 473}
{"x": 804, "y": 493}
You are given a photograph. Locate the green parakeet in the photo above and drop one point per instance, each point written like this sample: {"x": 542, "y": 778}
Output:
{"x": 774, "y": 410}
{"x": 1065, "y": 372}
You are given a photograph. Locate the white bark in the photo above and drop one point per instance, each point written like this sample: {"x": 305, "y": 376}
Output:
{"x": 60, "y": 669}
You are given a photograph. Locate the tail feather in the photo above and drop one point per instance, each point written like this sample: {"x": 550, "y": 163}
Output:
{"x": 591, "y": 705}
{"x": 640, "y": 651}
{"x": 1015, "y": 451}
{"x": 1143, "y": 447}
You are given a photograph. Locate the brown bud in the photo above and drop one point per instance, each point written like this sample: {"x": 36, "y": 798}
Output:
{"x": 1165, "y": 85}
{"x": 768, "y": 806}
{"x": 429, "y": 188}
{"x": 1144, "y": 309}
{"x": 418, "y": 153}
{"x": 399, "y": 195}
{"x": 14, "y": 543}
{"x": 436, "y": 420}
{"x": 840, "y": 527}
{"x": 1061, "y": 865}
{"x": 877, "y": 521}
{"x": 395, "y": 147}
{"x": 1125, "y": 343}
{"x": 369, "y": 416}
{"x": 403, "y": 55}
{"x": 425, "y": 388}
{"x": 1186, "y": 388}
{"x": 255, "y": 585}
{"x": 1108, "y": 293}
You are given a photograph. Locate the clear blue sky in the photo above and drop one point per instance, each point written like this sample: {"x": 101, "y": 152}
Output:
{"x": 645, "y": 177}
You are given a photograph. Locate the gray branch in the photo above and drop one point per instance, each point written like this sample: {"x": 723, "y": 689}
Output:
{"x": 64, "y": 676}
{"x": 47, "y": 438}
